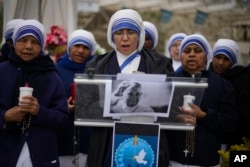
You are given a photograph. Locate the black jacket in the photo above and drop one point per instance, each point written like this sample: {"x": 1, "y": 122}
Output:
{"x": 99, "y": 154}
{"x": 151, "y": 63}
{"x": 244, "y": 106}
{"x": 218, "y": 101}
{"x": 238, "y": 76}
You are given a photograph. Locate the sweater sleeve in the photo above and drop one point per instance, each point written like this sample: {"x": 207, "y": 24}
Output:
{"x": 220, "y": 105}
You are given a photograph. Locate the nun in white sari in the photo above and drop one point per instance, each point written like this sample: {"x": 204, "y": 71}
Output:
{"x": 126, "y": 35}
{"x": 173, "y": 49}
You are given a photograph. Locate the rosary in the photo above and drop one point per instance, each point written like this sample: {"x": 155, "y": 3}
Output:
{"x": 190, "y": 143}
{"x": 76, "y": 145}
{"x": 26, "y": 90}
{"x": 26, "y": 123}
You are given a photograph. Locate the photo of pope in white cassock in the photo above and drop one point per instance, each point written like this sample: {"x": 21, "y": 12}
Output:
{"x": 130, "y": 97}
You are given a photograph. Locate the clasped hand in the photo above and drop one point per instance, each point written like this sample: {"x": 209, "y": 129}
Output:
{"x": 189, "y": 116}
{"x": 27, "y": 104}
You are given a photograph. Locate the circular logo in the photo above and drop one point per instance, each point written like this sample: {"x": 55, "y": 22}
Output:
{"x": 134, "y": 152}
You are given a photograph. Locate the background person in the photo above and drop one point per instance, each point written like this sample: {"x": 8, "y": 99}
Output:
{"x": 151, "y": 35}
{"x": 151, "y": 41}
{"x": 173, "y": 46}
{"x": 28, "y": 128}
{"x": 244, "y": 107}
{"x": 80, "y": 50}
{"x": 226, "y": 55}
{"x": 7, "y": 47}
{"x": 215, "y": 117}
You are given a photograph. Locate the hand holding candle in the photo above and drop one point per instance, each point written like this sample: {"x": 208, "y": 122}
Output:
{"x": 188, "y": 99}
{"x": 26, "y": 90}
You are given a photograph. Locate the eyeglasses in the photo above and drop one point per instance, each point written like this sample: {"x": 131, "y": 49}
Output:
{"x": 121, "y": 33}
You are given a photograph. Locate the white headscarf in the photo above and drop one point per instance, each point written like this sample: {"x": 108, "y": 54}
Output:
{"x": 126, "y": 18}
{"x": 201, "y": 41}
{"x": 30, "y": 27}
{"x": 173, "y": 39}
{"x": 82, "y": 37}
{"x": 9, "y": 28}
{"x": 152, "y": 32}
{"x": 228, "y": 48}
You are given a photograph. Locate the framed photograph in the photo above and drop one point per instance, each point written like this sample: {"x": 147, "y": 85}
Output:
{"x": 90, "y": 97}
{"x": 138, "y": 98}
{"x": 100, "y": 101}
{"x": 181, "y": 91}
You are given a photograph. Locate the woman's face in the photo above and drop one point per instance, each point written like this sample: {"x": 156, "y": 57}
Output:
{"x": 79, "y": 53}
{"x": 221, "y": 63}
{"x": 126, "y": 41}
{"x": 174, "y": 50}
{"x": 27, "y": 48}
{"x": 148, "y": 44}
{"x": 193, "y": 58}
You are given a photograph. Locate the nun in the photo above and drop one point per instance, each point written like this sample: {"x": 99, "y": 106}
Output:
{"x": 8, "y": 47}
{"x": 80, "y": 50}
{"x": 173, "y": 46}
{"x": 225, "y": 62}
{"x": 151, "y": 41}
{"x": 151, "y": 35}
{"x": 226, "y": 55}
{"x": 29, "y": 125}
{"x": 215, "y": 116}
{"x": 126, "y": 36}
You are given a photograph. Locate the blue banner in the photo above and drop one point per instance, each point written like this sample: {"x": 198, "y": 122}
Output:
{"x": 165, "y": 15}
{"x": 200, "y": 17}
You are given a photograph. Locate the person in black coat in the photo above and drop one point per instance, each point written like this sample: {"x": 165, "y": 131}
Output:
{"x": 151, "y": 41}
{"x": 244, "y": 107}
{"x": 8, "y": 46}
{"x": 126, "y": 35}
{"x": 80, "y": 50}
{"x": 226, "y": 55}
{"x": 29, "y": 124}
{"x": 215, "y": 117}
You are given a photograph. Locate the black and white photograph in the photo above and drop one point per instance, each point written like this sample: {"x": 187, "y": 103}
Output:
{"x": 147, "y": 98}
{"x": 180, "y": 91}
{"x": 91, "y": 95}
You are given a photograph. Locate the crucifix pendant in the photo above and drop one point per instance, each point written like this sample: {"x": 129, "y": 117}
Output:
{"x": 186, "y": 152}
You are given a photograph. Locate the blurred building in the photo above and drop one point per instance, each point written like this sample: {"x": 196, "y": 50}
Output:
{"x": 212, "y": 18}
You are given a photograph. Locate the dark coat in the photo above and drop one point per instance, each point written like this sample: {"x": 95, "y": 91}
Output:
{"x": 244, "y": 106}
{"x": 4, "y": 52}
{"x": 238, "y": 77}
{"x": 41, "y": 136}
{"x": 101, "y": 142}
{"x": 221, "y": 119}
{"x": 69, "y": 135}
{"x": 150, "y": 63}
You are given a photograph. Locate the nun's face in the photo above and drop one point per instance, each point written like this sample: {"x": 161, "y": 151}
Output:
{"x": 148, "y": 44}
{"x": 174, "y": 50}
{"x": 79, "y": 53}
{"x": 221, "y": 63}
{"x": 126, "y": 41}
{"x": 193, "y": 58}
{"x": 27, "y": 48}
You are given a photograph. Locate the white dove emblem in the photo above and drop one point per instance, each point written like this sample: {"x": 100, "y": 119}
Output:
{"x": 140, "y": 157}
